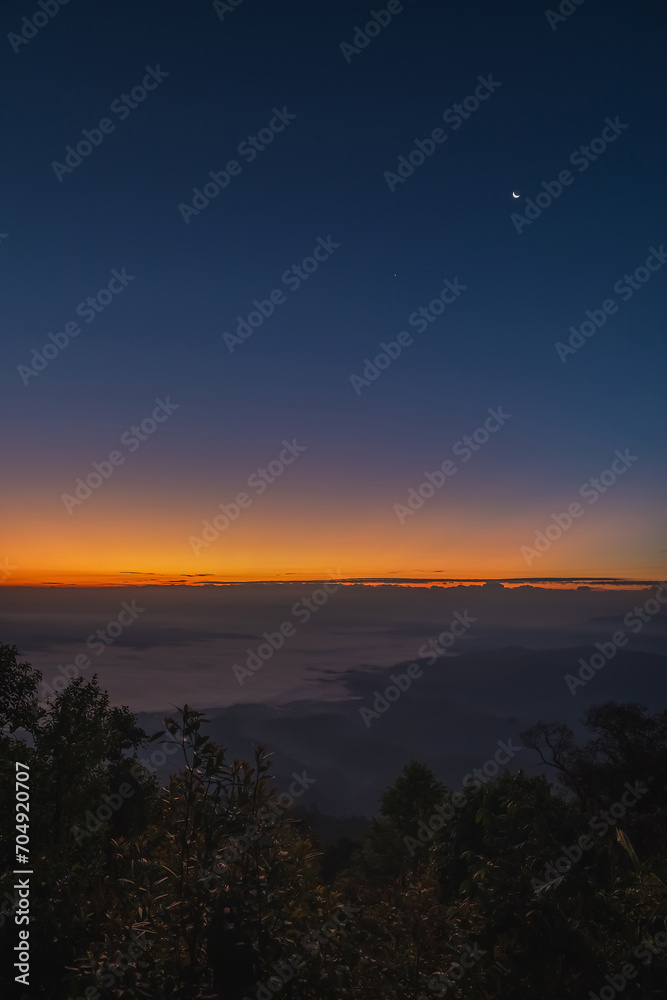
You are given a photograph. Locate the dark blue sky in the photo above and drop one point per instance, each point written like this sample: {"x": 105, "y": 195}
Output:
{"x": 321, "y": 176}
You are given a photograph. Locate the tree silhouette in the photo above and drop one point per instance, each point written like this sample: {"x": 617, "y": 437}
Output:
{"x": 209, "y": 889}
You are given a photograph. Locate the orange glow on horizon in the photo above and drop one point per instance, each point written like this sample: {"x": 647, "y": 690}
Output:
{"x": 131, "y": 579}
{"x": 130, "y": 539}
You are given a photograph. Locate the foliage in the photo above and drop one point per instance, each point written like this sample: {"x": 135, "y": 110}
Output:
{"x": 209, "y": 887}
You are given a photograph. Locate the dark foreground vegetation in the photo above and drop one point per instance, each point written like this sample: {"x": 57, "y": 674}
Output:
{"x": 214, "y": 887}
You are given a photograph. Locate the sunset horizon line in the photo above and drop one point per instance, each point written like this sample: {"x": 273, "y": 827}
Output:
{"x": 199, "y": 580}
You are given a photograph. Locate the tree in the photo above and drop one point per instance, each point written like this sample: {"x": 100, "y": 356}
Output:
{"x": 19, "y": 682}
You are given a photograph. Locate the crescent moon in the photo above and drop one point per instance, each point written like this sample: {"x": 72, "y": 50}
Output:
{"x": 515, "y": 195}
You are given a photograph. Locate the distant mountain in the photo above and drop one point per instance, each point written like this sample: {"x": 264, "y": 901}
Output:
{"x": 451, "y": 718}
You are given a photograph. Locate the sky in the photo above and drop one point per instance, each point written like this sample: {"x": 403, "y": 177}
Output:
{"x": 320, "y": 212}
